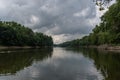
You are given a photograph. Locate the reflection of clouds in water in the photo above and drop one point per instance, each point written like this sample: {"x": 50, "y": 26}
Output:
{"x": 61, "y": 53}
{"x": 34, "y": 72}
{"x": 64, "y": 65}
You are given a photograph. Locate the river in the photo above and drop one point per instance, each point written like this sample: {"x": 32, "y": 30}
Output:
{"x": 59, "y": 64}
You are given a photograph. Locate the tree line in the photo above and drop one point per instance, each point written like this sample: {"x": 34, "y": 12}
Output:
{"x": 107, "y": 32}
{"x": 15, "y": 34}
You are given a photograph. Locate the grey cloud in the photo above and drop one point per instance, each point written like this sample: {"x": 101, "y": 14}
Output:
{"x": 50, "y": 16}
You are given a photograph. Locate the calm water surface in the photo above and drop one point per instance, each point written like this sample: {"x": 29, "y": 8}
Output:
{"x": 59, "y": 64}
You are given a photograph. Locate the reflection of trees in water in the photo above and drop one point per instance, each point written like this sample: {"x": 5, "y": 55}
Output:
{"x": 11, "y": 62}
{"x": 107, "y": 62}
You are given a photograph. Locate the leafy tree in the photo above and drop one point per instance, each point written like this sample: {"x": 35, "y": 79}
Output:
{"x": 14, "y": 34}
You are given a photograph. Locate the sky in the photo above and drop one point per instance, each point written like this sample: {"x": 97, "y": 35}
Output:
{"x": 64, "y": 20}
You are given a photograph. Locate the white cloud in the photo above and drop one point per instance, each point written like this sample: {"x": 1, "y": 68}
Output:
{"x": 34, "y": 19}
{"x": 82, "y": 13}
{"x": 66, "y": 37}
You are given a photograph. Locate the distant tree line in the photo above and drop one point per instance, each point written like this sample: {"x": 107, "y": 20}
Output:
{"x": 107, "y": 32}
{"x": 14, "y": 34}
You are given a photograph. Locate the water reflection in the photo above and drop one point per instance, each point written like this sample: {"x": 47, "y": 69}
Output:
{"x": 105, "y": 61}
{"x": 13, "y": 60}
{"x": 62, "y": 65}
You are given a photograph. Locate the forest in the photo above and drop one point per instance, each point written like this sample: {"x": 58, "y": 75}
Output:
{"x": 107, "y": 32}
{"x": 14, "y": 34}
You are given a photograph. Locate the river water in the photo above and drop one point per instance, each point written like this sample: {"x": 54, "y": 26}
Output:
{"x": 59, "y": 64}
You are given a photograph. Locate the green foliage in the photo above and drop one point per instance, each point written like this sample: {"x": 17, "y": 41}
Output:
{"x": 107, "y": 32}
{"x": 14, "y": 34}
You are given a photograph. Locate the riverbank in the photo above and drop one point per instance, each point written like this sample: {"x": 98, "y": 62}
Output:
{"x": 106, "y": 47}
{"x": 109, "y": 47}
{"x": 21, "y": 47}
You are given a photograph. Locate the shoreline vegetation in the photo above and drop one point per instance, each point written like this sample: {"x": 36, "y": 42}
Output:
{"x": 22, "y": 47}
{"x": 15, "y": 35}
{"x": 106, "y": 35}
{"x": 105, "y": 47}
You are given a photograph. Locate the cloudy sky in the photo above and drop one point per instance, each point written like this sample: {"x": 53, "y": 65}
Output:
{"x": 62, "y": 19}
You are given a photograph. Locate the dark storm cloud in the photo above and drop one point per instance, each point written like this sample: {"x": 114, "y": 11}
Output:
{"x": 55, "y": 17}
